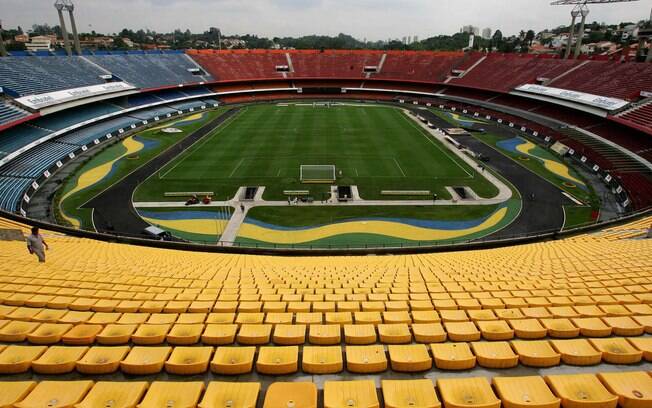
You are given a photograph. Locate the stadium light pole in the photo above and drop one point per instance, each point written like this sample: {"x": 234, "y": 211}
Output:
{"x": 71, "y": 8}
{"x": 574, "y": 14}
{"x": 3, "y": 50}
{"x": 59, "y": 5}
{"x": 584, "y": 11}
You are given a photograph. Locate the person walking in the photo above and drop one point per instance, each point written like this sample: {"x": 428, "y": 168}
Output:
{"x": 37, "y": 245}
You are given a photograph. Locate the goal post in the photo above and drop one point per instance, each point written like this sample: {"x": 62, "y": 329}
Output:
{"x": 317, "y": 173}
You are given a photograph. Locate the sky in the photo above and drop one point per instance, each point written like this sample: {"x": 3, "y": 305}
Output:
{"x": 370, "y": 19}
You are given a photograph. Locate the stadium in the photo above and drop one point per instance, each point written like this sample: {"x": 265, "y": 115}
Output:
{"x": 297, "y": 228}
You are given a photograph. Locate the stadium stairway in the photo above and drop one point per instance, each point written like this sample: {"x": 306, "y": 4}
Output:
{"x": 564, "y": 322}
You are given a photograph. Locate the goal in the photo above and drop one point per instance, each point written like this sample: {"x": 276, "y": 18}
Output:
{"x": 317, "y": 173}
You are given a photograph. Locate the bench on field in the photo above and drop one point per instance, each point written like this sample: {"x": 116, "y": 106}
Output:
{"x": 296, "y": 192}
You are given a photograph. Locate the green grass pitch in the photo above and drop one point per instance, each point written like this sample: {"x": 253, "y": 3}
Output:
{"x": 374, "y": 147}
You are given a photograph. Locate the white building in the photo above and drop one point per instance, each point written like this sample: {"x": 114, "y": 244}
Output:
{"x": 39, "y": 43}
{"x": 486, "y": 33}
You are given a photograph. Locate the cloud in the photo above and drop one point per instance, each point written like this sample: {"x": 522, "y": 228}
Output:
{"x": 371, "y": 19}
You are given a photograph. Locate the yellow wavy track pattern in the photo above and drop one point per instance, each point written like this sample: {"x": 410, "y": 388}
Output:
{"x": 96, "y": 174}
{"x": 386, "y": 228}
{"x": 197, "y": 226}
{"x": 552, "y": 166}
{"x": 190, "y": 118}
{"x": 460, "y": 118}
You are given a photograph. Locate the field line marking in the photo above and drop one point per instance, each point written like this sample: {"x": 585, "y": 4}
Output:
{"x": 278, "y": 174}
{"x": 356, "y": 172}
{"x": 236, "y": 167}
{"x": 188, "y": 152}
{"x": 399, "y": 166}
{"x": 429, "y": 138}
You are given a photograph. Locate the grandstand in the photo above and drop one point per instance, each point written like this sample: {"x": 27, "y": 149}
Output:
{"x": 535, "y": 322}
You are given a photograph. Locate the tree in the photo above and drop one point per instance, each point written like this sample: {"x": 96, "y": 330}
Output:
{"x": 529, "y": 37}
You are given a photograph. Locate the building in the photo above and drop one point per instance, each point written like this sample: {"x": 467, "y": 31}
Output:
{"x": 21, "y": 38}
{"x": 486, "y": 33}
{"x": 41, "y": 43}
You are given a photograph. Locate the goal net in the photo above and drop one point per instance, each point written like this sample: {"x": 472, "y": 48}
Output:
{"x": 317, "y": 173}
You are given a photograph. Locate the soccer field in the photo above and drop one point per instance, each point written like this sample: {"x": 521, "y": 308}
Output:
{"x": 374, "y": 147}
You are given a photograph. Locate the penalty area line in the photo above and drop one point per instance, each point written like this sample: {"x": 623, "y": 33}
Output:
{"x": 236, "y": 167}
{"x": 399, "y": 166}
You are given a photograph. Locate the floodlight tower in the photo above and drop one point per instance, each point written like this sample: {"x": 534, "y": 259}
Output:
{"x": 71, "y": 8}
{"x": 3, "y": 50}
{"x": 580, "y": 9}
{"x": 60, "y": 5}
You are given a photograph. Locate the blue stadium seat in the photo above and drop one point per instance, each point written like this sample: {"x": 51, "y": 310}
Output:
{"x": 34, "y": 75}
{"x": 11, "y": 191}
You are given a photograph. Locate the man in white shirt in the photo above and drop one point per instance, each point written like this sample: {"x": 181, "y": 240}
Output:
{"x": 36, "y": 244}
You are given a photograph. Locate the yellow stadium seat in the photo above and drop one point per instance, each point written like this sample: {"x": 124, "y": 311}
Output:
{"x": 56, "y": 394}
{"x": 48, "y": 333}
{"x": 617, "y": 350}
{"x": 495, "y": 330}
{"x": 254, "y": 334}
{"x": 462, "y": 331}
{"x": 644, "y": 344}
{"x": 581, "y": 390}
{"x": 324, "y": 335}
{"x": 494, "y": 354}
{"x": 560, "y": 328}
{"x": 359, "y": 334}
{"x": 398, "y": 333}
{"x": 219, "y": 334}
{"x": 185, "y": 334}
{"x": 373, "y": 306}
{"x": 17, "y": 331}
{"x": 81, "y": 335}
{"x": 624, "y": 326}
{"x": 428, "y": 333}
{"x": 49, "y": 315}
{"x": 634, "y": 389}
{"x": 18, "y": 359}
{"x": 323, "y": 307}
{"x": 589, "y": 310}
{"x": 104, "y": 318}
{"x": 290, "y": 394}
{"x": 188, "y": 360}
{"x": 452, "y": 356}
{"x": 191, "y": 318}
{"x": 528, "y": 328}
{"x": 509, "y": 314}
{"x": 322, "y": 359}
{"x": 163, "y": 318}
{"x": 366, "y": 359}
{"x": 347, "y": 394}
{"x": 220, "y": 318}
{"x": 75, "y": 317}
{"x": 592, "y": 327}
{"x": 409, "y": 393}
{"x": 233, "y": 360}
{"x": 230, "y": 394}
{"x": 340, "y": 318}
{"x": 577, "y": 352}
{"x": 113, "y": 394}
{"x": 58, "y": 360}
{"x": 172, "y": 394}
{"x": 299, "y": 307}
{"x": 115, "y": 334}
{"x": 145, "y": 360}
{"x": 525, "y": 392}
{"x": 102, "y": 360}
{"x": 467, "y": 392}
{"x": 14, "y": 391}
{"x": 425, "y": 316}
{"x": 615, "y": 310}
{"x": 289, "y": 334}
{"x": 225, "y": 307}
{"x": 563, "y": 312}
{"x": 308, "y": 318}
{"x": 536, "y": 353}
{"x": 278, "y": 318}
{"x": 373, "y": 318}
{"x": 453, "y": 316}
{"x": 278, "y": 360}
{"x": 150, "y": 334}
{"x": 409, "y": 358}
{"x": 397, "y": 317}
{"x": 645, "y": 321}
